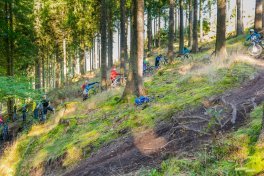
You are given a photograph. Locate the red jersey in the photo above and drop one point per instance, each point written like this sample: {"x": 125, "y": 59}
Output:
{"x": 114, "y": 74}
{"x": 1, "y": 119}
{"x": 83, "y": 86}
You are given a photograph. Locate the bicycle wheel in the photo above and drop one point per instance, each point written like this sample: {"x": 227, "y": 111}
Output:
{"x": 255, "y": 50}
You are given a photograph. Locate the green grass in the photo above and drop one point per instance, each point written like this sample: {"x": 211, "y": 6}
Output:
{"x": 84, "y": 132}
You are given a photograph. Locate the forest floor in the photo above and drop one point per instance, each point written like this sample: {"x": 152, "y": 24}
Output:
{"x": 186, "y": 132}
{"x": 199, "y": 105}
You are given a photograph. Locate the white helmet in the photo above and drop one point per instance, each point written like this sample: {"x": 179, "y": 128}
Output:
{"x": 251, "y": 30}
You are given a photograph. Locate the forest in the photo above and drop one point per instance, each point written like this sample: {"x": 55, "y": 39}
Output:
{"x": 131, "y": 87}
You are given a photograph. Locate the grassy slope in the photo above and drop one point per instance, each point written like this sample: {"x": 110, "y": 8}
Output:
{"x": 234, "y": 154}
{"x": 99, "y": 120}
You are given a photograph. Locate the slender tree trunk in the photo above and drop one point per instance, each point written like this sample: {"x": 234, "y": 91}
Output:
{"x": 64, "y": 60}
{"x": 58, "y": 72}
{"x": 258, "y": 15}
{"x": 149, "y": 29}
{"x": 220, "y": 46}
{"x": 43, "y": 72}
{"x": 155, "y": 32}
{"x": 9, "y": 48}
{"x": 123, "y": 41}
{"x": 181, "y": 42}
{"x": 175, "y": 23}
{"x": 190, "y": 43}
{"x": 103, "y": 45}
{"x": 159, "y": 33}
{"x": 135, "y": 78}
{"x": 240, "y": 26}
{"x": 171, "y": 31}
{"x": 110, "y": 36}
{"x": 195, "y": 24}
{"x": 201, "y": 20}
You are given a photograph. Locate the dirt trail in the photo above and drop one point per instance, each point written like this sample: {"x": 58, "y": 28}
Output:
{"x": 186, "y": 131}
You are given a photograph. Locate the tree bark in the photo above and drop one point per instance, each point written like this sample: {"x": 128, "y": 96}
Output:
{"x": 123, "y": 36}
{"x": 135, "y": 78}
{"x": 240, "y": 26}
{"x": 201, "y": 20}
{"x": 149, "y": 29}
{"x": 58, "y": 69}
{"x": 181, "y": 42}
{"x": 110, "y": 36}
{"x": 195, "y": 24}
{"x": 171, "y": 31}
{"x": 258, "y": 15}
{"x": 190, "y": 43}
{"x": 103, "y": 45}
{"x": 220, "y": 46}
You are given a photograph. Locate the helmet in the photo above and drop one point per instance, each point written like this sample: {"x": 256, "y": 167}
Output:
{"x": 251, "y": 30}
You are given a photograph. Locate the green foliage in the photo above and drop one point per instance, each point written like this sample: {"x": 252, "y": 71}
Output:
{"x": 17, "y": 87}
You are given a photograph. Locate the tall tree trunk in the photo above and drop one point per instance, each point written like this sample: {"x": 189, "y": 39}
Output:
{"x": 258, "y": 15}
{"x": 240, "y": 26}
{"x": 135, "y": 79}
{"x": 159, "y": 40}
{"x": 201, "y": 20}
{"x": 181, "y": 42}
{"x": 195, "y": 24}
{"x": 110, "y": 36}
{"x": 103, "y": 45}
{"x": 175, "y": 23}
{"x": 149, "y": 29}
{"x": 9, "y": 48}
{"x": 64, "y": 60}
{"x": 123, "y": 40}
{"x": 190, "y": 43}
{"x": 171, "y": 31}
{"x": 155, "y": 32}
{"x": 220, "y": 46}
{"x": 58, "y": 69}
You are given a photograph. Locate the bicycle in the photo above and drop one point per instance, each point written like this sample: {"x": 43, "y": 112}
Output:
{"x": 164, "y": 60}
{"x": 92, "y": 91}
{"x": 119, "y": 81}
{"x": 149, "y": 70}
{"x": 256, "y": 47}
{"x": 185, "y": 56}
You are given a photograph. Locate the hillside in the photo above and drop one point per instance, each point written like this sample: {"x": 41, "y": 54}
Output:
{"x": 199, "y": 123}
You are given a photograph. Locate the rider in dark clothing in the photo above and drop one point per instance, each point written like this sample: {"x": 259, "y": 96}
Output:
{"x": 24, "y": 112}
{"x": 157, "y": 61}
{"x": 254, "y": 35}
{"x": 46, "y": 106}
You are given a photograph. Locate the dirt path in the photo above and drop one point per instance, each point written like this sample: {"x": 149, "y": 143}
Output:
{"x": 185, "y": 132}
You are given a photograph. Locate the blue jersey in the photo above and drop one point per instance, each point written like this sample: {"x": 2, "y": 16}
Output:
{"x": 254, "y": 37}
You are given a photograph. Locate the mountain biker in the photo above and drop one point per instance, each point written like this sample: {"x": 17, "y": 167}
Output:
{"x": 24, "y": 112}
{"x": 145, "y": 64}
{"x": 157, "y": 61}
{"x": 186, "y": 51}
{"x": 254, "y": 36}
{"x": 86, "y": 87}
{"x": 114, "y": 74}
{"x": 1, "y": 120}
{"x": 15, "y": 113}
{"x": 46, "y": 107}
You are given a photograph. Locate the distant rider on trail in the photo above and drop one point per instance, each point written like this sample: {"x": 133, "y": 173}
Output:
{"x": 86, "y": 87}
{"x": 254, "y": 36}
{"x": 46, "y": 107}
{"x": 114, "y": 74}
{"x": 157, "y": 61}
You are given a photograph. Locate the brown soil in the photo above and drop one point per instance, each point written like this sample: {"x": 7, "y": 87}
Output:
{"x": 185, "y": 132}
